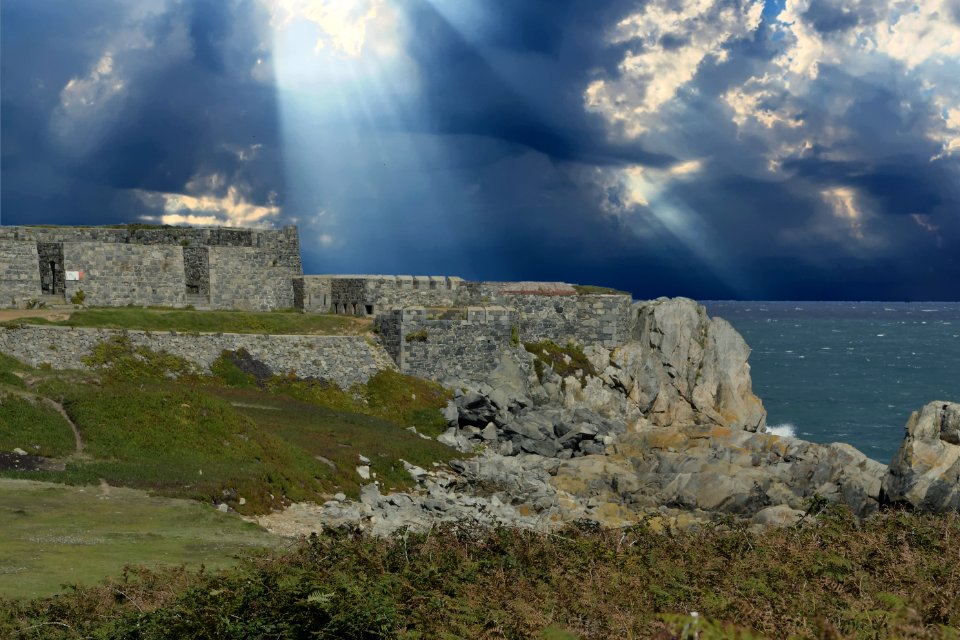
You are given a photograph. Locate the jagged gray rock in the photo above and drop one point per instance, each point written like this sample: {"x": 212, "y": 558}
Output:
{"x": 925, "y": 471}
{"x": 683, "y": 367}
{"x": 722, "y": 470}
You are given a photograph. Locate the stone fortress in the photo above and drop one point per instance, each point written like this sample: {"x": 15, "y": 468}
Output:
{"x": 208, "y": 268}
{"x": 433, "y": 326}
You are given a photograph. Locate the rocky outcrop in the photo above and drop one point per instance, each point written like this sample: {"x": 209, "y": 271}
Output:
{"x": 683, "y": 366}
{"x": 716, "y": 469}
{"x": 670, "y": 422}
{"x": 665, "y": 429}
{"x": 925, "y": 472}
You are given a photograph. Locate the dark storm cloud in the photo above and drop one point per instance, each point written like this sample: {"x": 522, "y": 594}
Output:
{"x": 534, "y": 99}
{"x": 187, "y": 97}
{"x": 898, "y": 188}
{"x": 493, "y": 167}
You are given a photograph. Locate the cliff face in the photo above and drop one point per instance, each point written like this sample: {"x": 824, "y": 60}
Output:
{"x": 681, "y": 366}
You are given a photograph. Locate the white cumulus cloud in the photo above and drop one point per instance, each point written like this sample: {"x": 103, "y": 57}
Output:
{"x": 209, "y": 201}
{"x": 669, "y": 42}
{"x": 912, "y": 48}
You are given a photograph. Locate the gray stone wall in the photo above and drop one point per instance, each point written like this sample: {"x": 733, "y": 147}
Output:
{"x": 317, "y": 295}
{"x": 19, "y": 273}
{"x": 115, "y": 275}
{"x": 284, "y": 240}
{"x": 603, "y": 319}
{"x": 370, "y": 294}
{"x": 447, "y": 345}
{"x": 586, "y": 319}
{"x": 170, "y": 266}
{"x": 251, "y": 279}
{"x": 341, "y": 359}
{"x": 546, "y": 317}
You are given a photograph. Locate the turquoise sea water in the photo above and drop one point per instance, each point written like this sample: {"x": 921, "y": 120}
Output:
{"x": 849, "y": 371}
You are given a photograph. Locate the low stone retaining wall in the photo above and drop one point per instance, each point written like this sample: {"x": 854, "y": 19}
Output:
{"x": 341, "y": 359}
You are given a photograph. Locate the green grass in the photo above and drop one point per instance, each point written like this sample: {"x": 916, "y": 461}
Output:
{"x": 340, "y": 437}
{"x": 33, "y": 427}
{"x": 275, "y": 322}
{"x": 404, "y": 400}
{"x": 893, "y": 576}
{"x": 222, "y": 438}
{"x": 589, "y": 289}
{"x": 53, "y": 534}
{"x": 218, "y": 438}
{"x": 178, "y": 440}
{"x": 8, "y": 366}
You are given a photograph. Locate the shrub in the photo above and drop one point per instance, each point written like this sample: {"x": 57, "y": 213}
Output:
{"x": 119, "y": 359}
{"x": 569, "y": 360}
{"x": 78, "y": 297}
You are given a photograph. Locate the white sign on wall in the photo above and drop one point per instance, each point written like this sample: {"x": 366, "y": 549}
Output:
{"x": 73, "y": 276}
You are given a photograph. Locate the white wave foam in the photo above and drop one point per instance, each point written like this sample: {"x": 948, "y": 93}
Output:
{"x": 785, "y": 430}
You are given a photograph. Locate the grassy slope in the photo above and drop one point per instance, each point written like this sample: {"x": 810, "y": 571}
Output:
{"x": 280, "y": 322}
{"x": 34, "y": 427}
{"x": 217, "y": 439}
{"x": 225, "y": 440}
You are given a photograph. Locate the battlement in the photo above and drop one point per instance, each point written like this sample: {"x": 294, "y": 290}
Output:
{"x": 367, "y": 295}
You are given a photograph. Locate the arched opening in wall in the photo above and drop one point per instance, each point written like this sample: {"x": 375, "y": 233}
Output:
{"x": 369, "y": 309}
{"x": 354, "y": 309}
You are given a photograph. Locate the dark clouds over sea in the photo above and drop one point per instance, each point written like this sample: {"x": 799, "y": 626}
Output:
{"x": 715, "y": 149}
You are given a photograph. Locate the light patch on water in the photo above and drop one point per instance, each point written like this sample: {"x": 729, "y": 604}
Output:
{"x": 785, "y": 430}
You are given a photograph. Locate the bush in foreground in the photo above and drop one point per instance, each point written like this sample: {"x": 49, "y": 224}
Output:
{"x": 896, "y": 575}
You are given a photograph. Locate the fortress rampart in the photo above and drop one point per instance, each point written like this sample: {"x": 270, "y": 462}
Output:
{"x": 434, "y": 326}
{"x": 208, "y": 268}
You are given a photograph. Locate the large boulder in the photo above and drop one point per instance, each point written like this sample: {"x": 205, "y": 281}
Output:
{"x": 925, "y": 471}
{"x": 683, "y": 367}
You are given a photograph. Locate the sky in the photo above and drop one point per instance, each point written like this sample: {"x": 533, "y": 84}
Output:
{"x": 717, "y": 149}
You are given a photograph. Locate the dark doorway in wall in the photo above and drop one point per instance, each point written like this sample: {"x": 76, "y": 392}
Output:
{"x": 52, "y": 274}
{"x": 369, "y": 308}
{"x": 196, "y": 273}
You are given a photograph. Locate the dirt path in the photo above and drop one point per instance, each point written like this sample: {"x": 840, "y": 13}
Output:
{"x": 56, "y": 406}
{"x": 54, "y": 315}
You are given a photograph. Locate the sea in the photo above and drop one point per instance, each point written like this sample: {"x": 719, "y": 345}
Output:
{"x": 848, "y": 371}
